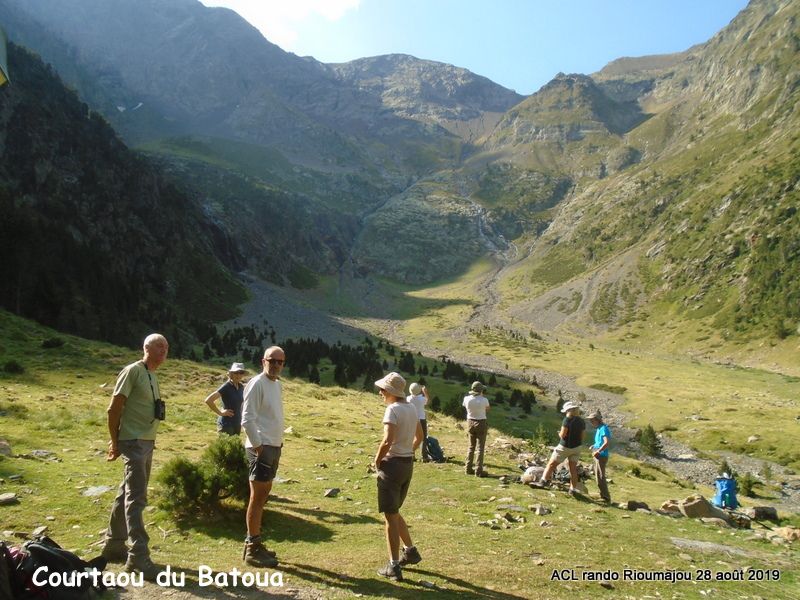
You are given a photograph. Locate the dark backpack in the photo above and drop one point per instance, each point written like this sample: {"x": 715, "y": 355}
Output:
{"x": 44, "y": 552}
{"x": 435, "y": 450}
{"x": 8, "y": 589}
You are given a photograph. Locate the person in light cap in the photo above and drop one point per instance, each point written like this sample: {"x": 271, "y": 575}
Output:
{"x": 229, "y": 419}
{"x": 602, "y": 440}
{"x": 477, "y": 406}
{"x": 418, "y": 396}
{"x": 569, "y": 445}
{"x": 394, "y": 463}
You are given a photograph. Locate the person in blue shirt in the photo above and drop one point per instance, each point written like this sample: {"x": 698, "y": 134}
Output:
{"x": 231, "y": 392}
{"x": 602, "y": 439}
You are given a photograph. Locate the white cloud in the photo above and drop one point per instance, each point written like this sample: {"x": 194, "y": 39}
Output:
{"x": 278, "y": 19}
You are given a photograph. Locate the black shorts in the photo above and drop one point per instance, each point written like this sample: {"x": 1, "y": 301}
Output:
{"x": 394, "y": 477}
{"x": 264, "y": 465}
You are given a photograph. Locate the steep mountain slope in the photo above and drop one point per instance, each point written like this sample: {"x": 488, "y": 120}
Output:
{"x": 95, "y": 240}
{"x": 211, "y": 71}
{"x": 705, "y": 227}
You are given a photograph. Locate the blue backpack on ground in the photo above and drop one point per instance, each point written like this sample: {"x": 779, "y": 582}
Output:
{"x": 726, "y": 493}
{"x": 435, "y": 450}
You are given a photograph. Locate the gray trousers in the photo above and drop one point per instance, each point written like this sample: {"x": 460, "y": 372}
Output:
{"x": 127, "y": 512}
{"x": 477, "y": 430}
{"x": 600, "y": 477}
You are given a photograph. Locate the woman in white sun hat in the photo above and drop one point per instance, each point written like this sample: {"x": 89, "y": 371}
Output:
{"x": 229, "y": 418}
{"x": 394, "y": 462}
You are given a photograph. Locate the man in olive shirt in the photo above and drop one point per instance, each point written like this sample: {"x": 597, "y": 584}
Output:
{"x": 133, "y": 418}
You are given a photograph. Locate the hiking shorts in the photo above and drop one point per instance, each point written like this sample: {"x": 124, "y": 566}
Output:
{"x": 394, "y": 477}
{"x": 562, "y": 453}
{"x": 263, "y": 464}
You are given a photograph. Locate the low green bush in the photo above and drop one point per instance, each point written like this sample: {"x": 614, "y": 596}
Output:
{"x": 188, "y": 488}
{"x": 13, "y": 367}
{"x": 53, "y": 342}
{"x": 225, "y": 468}
{"x": 183, "y": 487}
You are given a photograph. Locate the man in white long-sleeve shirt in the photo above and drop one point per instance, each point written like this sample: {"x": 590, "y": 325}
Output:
{"x": 262, "y": 421}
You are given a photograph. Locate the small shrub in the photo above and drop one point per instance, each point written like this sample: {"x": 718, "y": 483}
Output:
{"x": 225, "y": 468}
{"x": 766, "y": 472}
{"x": 614, "y": 389}
{"x": 13, "y": 367}
{"x": 649, "y": 441}
{"x": 540, "y": 435}
{"x": 454, "y": 408}
{"x": 746, "y": 484}
{"x": 638, "y": 473}
{"x": 53, "y": 342}
{"x": 183, "y": 486}
{"x": 436, "y": 404}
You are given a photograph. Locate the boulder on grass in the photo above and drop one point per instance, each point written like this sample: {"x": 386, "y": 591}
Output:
{"x": 697, "y": 507}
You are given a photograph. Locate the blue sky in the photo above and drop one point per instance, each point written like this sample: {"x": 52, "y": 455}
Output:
{"x": 520, "y": 44}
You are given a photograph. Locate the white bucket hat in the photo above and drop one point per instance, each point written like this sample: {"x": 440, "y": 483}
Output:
{"x": 393, "y": 383}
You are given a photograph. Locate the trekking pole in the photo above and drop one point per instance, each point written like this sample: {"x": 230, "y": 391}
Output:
{"x": 733, "y": 512}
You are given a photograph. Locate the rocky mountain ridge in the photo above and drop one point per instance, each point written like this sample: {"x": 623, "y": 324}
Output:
{"x": 658, "y": 183}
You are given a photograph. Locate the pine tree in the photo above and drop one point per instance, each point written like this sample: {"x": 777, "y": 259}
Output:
{"x": 649, "y": 441}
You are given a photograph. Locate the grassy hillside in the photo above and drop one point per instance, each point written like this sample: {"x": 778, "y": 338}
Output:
{"x": 334, "y": 545}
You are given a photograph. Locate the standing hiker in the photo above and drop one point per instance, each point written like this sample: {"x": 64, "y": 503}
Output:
{"x": 394, "y": 462}
{"x": 602, "y": 440}
{"x": 231, "y": 392}
{"x": 262, "y": 420}
{"x": 477, "y": 406}
{"x": 419, "y": 398}
{"x": 133, "y": 416}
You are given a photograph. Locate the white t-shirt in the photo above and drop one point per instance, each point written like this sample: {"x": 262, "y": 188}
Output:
{"x": 262, "y": 412}
{"x": 419, "y": 401}
{"x": 404, "y": 417}
{"x": 476, "y": 407}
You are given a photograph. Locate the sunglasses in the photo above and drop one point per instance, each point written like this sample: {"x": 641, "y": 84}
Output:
{"x": 275, "y": 361}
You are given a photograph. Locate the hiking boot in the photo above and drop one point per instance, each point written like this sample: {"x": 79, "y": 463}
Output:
{"x": 145, "y": 566}
{"x": 469, "y": 471}
{"x": 391, "y": 572}
{"x": 115, "y": 551}
{"x": 409, "y": 556}
{"x": 481, "y": 473}
{"x": 256, "y": 555}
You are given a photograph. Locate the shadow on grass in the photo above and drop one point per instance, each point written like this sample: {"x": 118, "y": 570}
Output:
{"x": 408, "y": 588}
{"x": 277, "y": 526}
{"x": 338, "y": 518}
